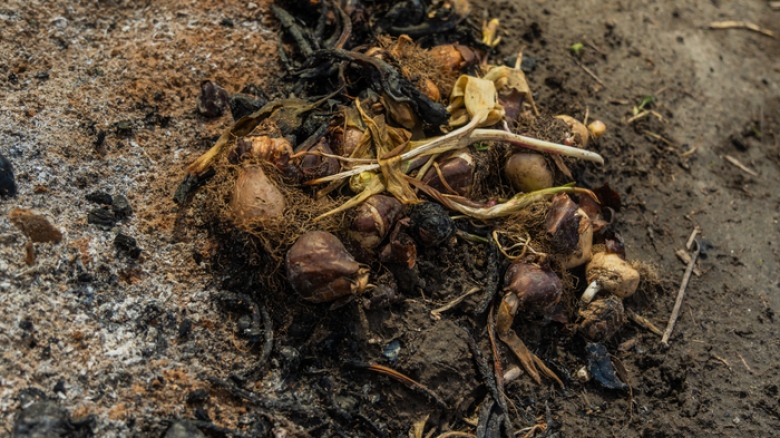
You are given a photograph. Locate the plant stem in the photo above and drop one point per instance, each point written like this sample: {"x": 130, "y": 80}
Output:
{"x": 467, "y": 135}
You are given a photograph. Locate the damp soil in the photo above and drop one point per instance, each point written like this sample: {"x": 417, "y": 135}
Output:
{"x": 101, "y": 97}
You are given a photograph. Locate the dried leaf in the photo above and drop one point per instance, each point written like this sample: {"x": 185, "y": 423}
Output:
{"x": 401, "y": 113}
{"x": 395, "y": 180}
{"x": 511, "y": 84}
{"x": 472, "y": 98}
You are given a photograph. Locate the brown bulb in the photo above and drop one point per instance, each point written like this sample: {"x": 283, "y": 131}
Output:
{"x": 562, "y": 224}
{"x": 401, "y": 250}
{"x": 579, "y": 133}
{"x": 528, "y": 172}
{"x": 373, "y": 220}
{"x": 457, "y": 170}
{"x": 272, "y": 150}
{"x": 317, "y": 166}
{"x": 320, "y": 269}
{"x": 452, "y": 58}
{"x": 256, "y": 199}
{"x": 570, "y": 231}
{"x": 537, "y": 288}
{"x": 612, "y": 274}
{"x": 430, "y": 89}
{"x": 602, "y": 319}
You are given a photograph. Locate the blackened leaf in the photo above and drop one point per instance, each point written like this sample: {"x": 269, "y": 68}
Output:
{"x": 608, "y": 197}
{"x": 600, "y": 367}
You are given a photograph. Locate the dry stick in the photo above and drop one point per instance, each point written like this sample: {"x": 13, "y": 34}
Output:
{"x": 744, "y": 362}
{"x": 722, "y": 360}
{"x": 680, "y": 296}
{"x": 685, "y": 257}
{"x": 436, "y": 313}
{"x": 406, "y": 380}
{"x": 587, "y": 70}
{"x": 643, "y": 322}
{"x": 453, "y": 433}
{"x": 696, "y": 231}
{"x": 741, "y": 25}
{"x": 739, "y": 164}
{"x": 497, "y": 368}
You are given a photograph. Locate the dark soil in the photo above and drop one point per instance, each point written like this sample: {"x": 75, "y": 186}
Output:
{"x": 133, "y": 340}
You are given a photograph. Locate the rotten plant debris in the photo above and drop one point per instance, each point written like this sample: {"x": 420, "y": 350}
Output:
{"x": 395, "y": 160}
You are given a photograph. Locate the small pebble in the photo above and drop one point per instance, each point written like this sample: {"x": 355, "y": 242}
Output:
{"x": 128, "y": 245}
{"x": 391, "y": 350}
{"x": 7, "y": 182}
{"x": 197, "y": 396}
{"x": 34, "y": 226}
{"x": 102, "y": 198}
{"x": 42, "y": 419}
{"x": 185, "y": 328}
{"x": 121, "y": 207}
{"x": 124, "y": 128}
{"x": 102, "y": 216}
{"x": 60, "y": 387}
{"x": 213, "y": 99}
{"x": 243, "y": 105}
{"x": 182, "y": 429}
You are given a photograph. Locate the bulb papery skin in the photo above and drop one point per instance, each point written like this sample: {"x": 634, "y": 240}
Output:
{"x": 255, "y": 198}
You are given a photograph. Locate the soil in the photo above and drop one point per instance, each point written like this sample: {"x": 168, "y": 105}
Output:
{"x": 101, "y": 97}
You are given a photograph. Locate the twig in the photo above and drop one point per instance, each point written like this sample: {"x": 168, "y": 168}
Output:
{"x": 407, "y": 381}
{"x": 659, "y": 137}
{"x": 744, "y": 362}
{"x": 644, "y": 113}
{"x": 722, "y": 360}
{"x": 689, "y": 152}
{"x": 587, "y": 70}
{"x": 643, "y": 322}
{"x": 775, "y": 5}
{"x": 436, "y": 313}
{"x": 685, "y": 257}
{"x": 593, "y": 46}
{"x": 737, "y": 163}
{"x": 741, "y": 25}
{"x": 680, "y": 296}
{"x": 696, "y": 231}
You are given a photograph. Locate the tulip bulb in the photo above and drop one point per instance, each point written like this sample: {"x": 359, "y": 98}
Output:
{"x": 609, "y": 272}
{"x": 373, "y": 220}
{"x": 320, "y": 269}
{"x": 528, "y": 172}
{"x": 256, "y": 199}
